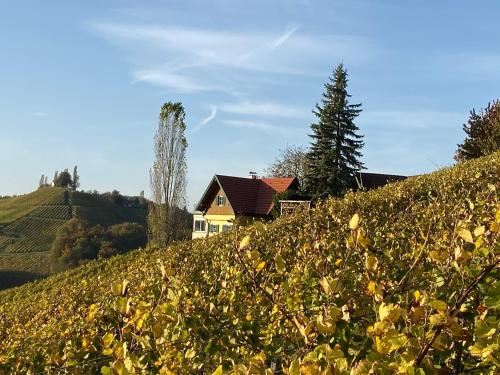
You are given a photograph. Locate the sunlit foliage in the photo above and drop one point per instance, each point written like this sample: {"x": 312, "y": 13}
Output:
{"x": 402, "y": 279}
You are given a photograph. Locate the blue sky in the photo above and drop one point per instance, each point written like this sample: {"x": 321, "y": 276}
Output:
{"x": 82, "y": 83}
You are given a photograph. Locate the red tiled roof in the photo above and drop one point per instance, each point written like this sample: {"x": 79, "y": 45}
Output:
{"x": 247, "y": 196}
{"x": 268, "y": 188}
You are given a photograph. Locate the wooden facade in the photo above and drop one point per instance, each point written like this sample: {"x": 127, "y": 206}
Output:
{"x": 228, "y": 200}
{"x": 215, "y": 209}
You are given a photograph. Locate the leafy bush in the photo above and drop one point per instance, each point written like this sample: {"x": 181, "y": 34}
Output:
{"x": 77, "y": 243}
{"x": 402, "y": 279}
{"x": 127, "y": 236}
{"x": 63, "y": 179}
{"x": 482, "y": 133}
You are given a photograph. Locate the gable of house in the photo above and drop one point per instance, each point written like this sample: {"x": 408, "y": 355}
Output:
{"x": 220, "y": 204}
{"x": 244, "y": 196}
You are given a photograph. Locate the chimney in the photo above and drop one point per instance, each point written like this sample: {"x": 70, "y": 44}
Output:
{"x": 253, "y": 175}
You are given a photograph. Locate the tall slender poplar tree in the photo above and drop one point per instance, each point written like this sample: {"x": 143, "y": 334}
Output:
{"x": 168, "y": 175}
{"x": 334, "y": 154}
{"x": 76, "y": 179}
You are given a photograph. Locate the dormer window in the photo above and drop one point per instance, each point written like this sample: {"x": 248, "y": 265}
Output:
{"x": 221, "y": 200}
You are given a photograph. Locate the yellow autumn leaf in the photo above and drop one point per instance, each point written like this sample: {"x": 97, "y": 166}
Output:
{"x": 371, "y": 263}
{"x": 294, "y": 368}
{"x": 304, "y": 330}
{"x": 438, "y": 305}
{"x": 437, "y": 319}
{"x": 334, "y": 354}
{"x": 245, "y": 242}
{"x": 371, "y": 288}
{"x": 254, "y": 255}
{"x": 353, "y": 223}
{"x": 91, "y": 313}
{"x": 416, "y": 295}
{"x": 260, "y": 227}
{"x": 190, "y": 353}
{"x": 330, "y": 285}
{"x": 350, "y": 243}
{"x": 309, "y": 369}
{"x": 475, "y": 351}
{"x": 462, "y": 256}
{"x": 325, "y": 325}
{"x": 279, "y": 262}
{"x": 495, "y": 227}
{"x": 466, "y": 235}
{"x": 396, "y": 339}
{"x": 260, "y": 266}
{"x": 417, "y": 313}
{"x": 108, "y": 339}
{"x": 363, "y": 240}
{"x": 382, "y": 347}
{"x": 85, "y": 342}
{"x": 334, "y": 312}
{"x": 325, "y": 285}
{"x": 218, "y": 371}
{"x": 116, "y": 289}
{"x": 166, "y": 371}
{"x": 120, "y": 289}
{"x": 479, "y": 231}
{"x": 389, "y": 312}
{"x": 438, "y": 256}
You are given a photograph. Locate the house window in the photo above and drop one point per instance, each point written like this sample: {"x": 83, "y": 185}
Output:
{"x": 226, "y": 227}
{"x": 221, "y": 200}
{"x": 199, "y": 226}
{"x": 214, "y": 228}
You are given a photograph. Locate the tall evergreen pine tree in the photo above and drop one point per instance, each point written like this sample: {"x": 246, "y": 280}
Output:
{"x": 334, "y": 154}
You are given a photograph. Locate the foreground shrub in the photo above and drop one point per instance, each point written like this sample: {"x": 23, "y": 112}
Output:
{"x": 403, "y": 279}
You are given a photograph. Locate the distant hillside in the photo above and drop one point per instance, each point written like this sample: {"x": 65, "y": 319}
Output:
{"x": 28, "y": 224}
{"x": 380, "y": 282}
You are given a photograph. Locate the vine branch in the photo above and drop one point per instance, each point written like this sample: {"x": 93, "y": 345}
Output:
{"x": 454, "y": 311}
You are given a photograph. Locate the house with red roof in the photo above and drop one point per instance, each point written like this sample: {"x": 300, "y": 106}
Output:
{"x": 227, "y": 198}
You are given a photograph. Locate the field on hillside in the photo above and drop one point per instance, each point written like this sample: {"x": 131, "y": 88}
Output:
{"x": 29, "y": 223}
{"x": 17, "y": 207}
{"x": 403, "y": 279}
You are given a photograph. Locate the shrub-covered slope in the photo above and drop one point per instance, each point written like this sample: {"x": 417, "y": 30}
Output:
{"x": 386, "y": 281}
{"x": 29, "y": 223}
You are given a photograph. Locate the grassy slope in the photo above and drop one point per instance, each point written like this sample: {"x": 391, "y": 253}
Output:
{"x": 17, "y": 207}
{"x": 28, "y": 225}
{"x": 74, "y": 310}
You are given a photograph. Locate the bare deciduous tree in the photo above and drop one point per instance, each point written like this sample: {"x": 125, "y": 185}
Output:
{"x": 168, "y": 175}
{"x": 291, "y": 162}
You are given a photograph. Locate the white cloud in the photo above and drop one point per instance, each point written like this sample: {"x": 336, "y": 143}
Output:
{"x": 265, "y": 109}
{"x": 174, "y": 81}
{"x": 206, "y": 120}
{"x": 210, "y": 58}
{"x": 240, "y": 60}
{"x": 283, "y": 38}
